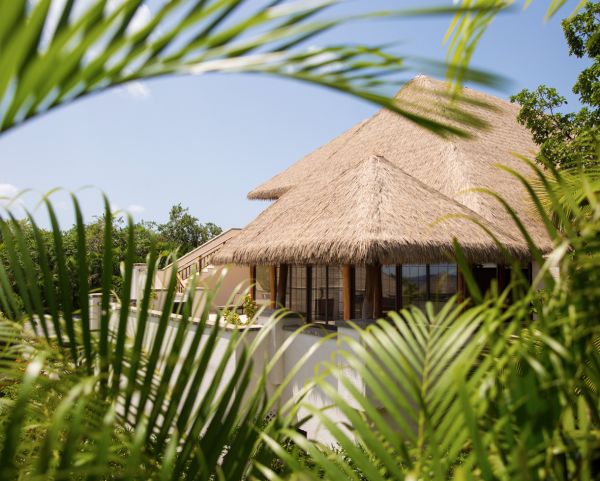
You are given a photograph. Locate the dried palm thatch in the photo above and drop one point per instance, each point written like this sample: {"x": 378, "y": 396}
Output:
{"x": 370, "y": 212}
{"x": 376, "y": 193}
{"x": 450, "y": 165}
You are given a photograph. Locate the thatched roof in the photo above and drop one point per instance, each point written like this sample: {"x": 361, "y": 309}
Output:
{"x": 370, "y": 212}
{"x": 339, "y": 204}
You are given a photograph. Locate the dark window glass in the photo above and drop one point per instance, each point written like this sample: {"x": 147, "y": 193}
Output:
{"x": 327, "y": 293}
{"x": 414, "y": 285}
{"x": 320, "y": 305}
{"x": 359, "y": 291}
{"x": 442, "y": 283}
{"x": 296, "y": 301}
{"x": 336, "y": 292}
{"x": 388, "y": 288}
{"x": 263, "y": 284}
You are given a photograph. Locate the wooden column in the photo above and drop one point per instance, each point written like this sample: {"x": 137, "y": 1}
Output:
{"x": 282, "y": 285}
{"x": 347, "y": 282}
{"x": 273, "y": 286}
{"x": 503, "y": 277}
{"x": 367, "y": 307}
{"x": 377, "y": 294}
{"x": 372, "y": 302}
{"x": 309, "y": 301}
{"x": 253, "y": 283}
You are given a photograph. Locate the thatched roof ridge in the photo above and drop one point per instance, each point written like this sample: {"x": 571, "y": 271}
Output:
{"x": 450, "y": 165}
{"x": 420, "y": 95}
{"x": 370, "y": 212}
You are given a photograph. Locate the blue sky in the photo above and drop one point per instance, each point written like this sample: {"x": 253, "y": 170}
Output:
{"x": 206, "y": 141}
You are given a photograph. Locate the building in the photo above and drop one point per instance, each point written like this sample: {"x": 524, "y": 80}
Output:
{"x": 367, "y": 222}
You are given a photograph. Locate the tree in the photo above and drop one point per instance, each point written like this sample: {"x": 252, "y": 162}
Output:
{"x": 559, "y": 134}
{"x": 92, "y": 404}
{"x": 184, "y": 232}
{"x": 181, "y": 232}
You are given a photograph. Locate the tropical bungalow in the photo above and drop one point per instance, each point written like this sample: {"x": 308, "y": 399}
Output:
{"x": 366, "y": 223}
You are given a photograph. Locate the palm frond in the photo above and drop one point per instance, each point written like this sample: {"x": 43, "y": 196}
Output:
{"x": 137, "y": 384}
{"x": 53, "y": 52}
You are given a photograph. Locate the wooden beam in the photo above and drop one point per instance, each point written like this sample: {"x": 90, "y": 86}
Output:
{"x": 347, "y": 299}
{"x": 367, "y": 307}
{"x": 503, "y": 277}
{"x": 253, "y": 283}
{"x": 282, "y": 285}
{"x": 372, "y": 302}
{"x": 309, "y": 302}
{"x": 273, "y": 286}
{"x": 377, "y": 294}
{"x": 399, "y": 303}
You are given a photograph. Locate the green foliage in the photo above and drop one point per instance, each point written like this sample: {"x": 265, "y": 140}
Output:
{"x": 128, "y": 399}
{"x": 582, "y": 33}
{"x": 471, "y": 20}
{"x": 231, "y": 317}
{"x": 472, "y": 392}
{"x": 492, "y": 391}
{"x": 181, "y": 232}
{"x": 184, "y": 232}
{"x": 561, "y": 136}
{"x": 250, "y": 307}
{"x": 479, "y": 391}
{"x": 98, "y": 44}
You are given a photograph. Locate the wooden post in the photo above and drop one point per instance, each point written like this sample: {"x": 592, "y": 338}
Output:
{"x": 273, "y": 286}
{"x": 377, "y": 294}
{"x": 253, "y": 283}
{"x": 502, "y": 277}
{"x": 372, "y": 302}
{"x": 282, "y": 285}
{"x": 309, "y": 301}
{"x": 367, "y": 307}
{"x": 347, "y": 282}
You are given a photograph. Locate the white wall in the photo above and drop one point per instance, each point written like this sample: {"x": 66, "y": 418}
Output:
{"x": 291, "y": 358}
{"x": 220, "y": 349}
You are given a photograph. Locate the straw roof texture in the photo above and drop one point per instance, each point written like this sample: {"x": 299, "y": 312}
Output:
{"x": 369, "y": 212}
{"x": 449, "y": 165}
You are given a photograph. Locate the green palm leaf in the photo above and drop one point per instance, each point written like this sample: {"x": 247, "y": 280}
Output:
{"x": 136, "y": 386}
{"x": 53, "y": 52}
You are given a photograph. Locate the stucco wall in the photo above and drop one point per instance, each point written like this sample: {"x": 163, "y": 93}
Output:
{"x": 220, "y": 349}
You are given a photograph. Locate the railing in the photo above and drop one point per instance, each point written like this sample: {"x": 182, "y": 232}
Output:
{"x": 180, "y": 285}
{"x": 199, "y": 263}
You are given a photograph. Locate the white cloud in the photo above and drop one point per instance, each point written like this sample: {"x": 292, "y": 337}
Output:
{"x": 8, "y": 191}
{"x": 137, "y": 90}
{"x": 135, "y": 209}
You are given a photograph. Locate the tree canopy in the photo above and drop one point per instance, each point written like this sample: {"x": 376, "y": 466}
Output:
{"x": 181, "y": 233}
{"x": 562, "y": 136}
{"x": 184, "y": 231}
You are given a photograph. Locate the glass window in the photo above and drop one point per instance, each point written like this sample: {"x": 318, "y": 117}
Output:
{"x": 320, "y": 305}
{"x": 296, "y": 300}
{"x": 359, "y": 291}
{"x": 414, "y": 285}
{"x": 263, "y": 284}
{"x": 327, "y": 293}
{"x": 442, "y": 282}
{"x": 388, "y": 288}
{"x": 336, "y": 292}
